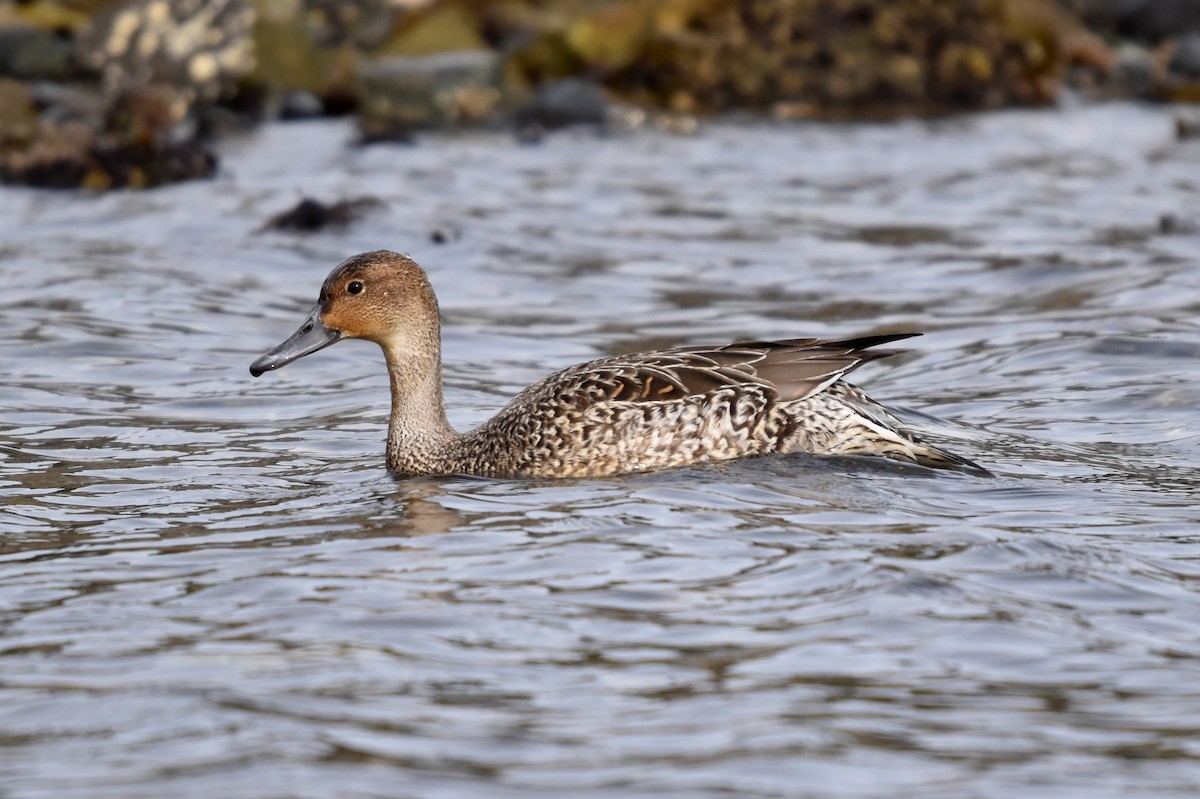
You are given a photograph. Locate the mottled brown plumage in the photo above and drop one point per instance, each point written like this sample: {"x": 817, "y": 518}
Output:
{"x": 640, "y": 412}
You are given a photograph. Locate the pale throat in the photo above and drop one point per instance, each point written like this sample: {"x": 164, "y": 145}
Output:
{"x": 418, "y": 409}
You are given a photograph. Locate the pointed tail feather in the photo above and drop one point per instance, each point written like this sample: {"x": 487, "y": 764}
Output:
{"x": 938, "y": 458}
{"x": 873, "y": 439}
{"x": 845, "y": 421}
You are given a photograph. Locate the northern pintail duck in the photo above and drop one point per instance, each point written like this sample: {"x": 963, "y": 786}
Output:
{"x": 650, "y": 410}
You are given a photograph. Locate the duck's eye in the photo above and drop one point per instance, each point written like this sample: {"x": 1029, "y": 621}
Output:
{"x": 354, "y": 287}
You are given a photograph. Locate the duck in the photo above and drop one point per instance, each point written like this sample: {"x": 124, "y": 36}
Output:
{"x": 641, "y": 412}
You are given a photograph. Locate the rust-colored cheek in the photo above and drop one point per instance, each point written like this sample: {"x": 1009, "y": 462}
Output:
{"x": 354, "y": 319}
{"x": 334, "y": 316}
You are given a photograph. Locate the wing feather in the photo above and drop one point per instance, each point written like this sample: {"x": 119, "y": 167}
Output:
{"x": 789, "y": 370}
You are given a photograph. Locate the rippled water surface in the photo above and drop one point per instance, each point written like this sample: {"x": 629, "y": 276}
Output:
{"x": 209, "y": 586}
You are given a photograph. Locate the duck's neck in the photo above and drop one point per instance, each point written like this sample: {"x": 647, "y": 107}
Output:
{"x": 419, "y": 436}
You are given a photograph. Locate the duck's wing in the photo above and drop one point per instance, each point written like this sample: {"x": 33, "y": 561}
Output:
{"x": 786, "y": 370}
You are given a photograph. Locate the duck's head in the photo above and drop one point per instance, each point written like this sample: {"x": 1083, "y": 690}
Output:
{"x": 378, "y": 296}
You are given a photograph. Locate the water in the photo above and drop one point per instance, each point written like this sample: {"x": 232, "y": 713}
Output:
{"x": 210, "y": 587}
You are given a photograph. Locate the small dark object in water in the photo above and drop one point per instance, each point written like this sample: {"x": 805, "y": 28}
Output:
{"x": 1169, "y": 224}
{"x": 310, "y": 215}
{"x": 1187, "y": 128}
{"x": 443, "y": 234}
{"x": 385, "y": 132}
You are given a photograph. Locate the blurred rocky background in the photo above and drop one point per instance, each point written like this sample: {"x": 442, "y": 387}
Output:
{"x": 104, "y": 94}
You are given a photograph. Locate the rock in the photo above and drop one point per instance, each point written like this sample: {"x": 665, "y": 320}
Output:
{"x": 293, "y": 55}
{"x": 149, "y": 114}
{"x": 63, "y": 102}
{"x": 1142, "y": 20}
{"x": 58, "y": 158}
{"x": 71, "y": 155}
{"x": 400, "y": 94}
{"x": 200, "y": 47}
{"x": 141, "y": 166}
{"x": 309, "y": 215}
{"x": 298, "y": 104}
{"x": 1135, "y": 72}
{"x": 161, "y": 64}
{"x": 437, "y": 27}
{"x": 18, "y": 115}
{"x": 1185, "y": 60}
{"x": 824, "y": 58}
{"x": 366, "y": 25}
{"x": 571, "y": 101}
{"x": 34, "y": 54}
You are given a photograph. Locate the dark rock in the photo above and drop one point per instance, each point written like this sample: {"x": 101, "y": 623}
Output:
{"x": 403, "y": 93}
{"x": 298, "y": 104}
{"x": 34, "y": 54}
{"x": 530, "y": 134}
{"x": 72, "y": 156}
{"x": 311, "y": 215}
{"x": 1172, "y": 224}
{"x": 58, "y": 159}
{"x": 385, "y": 131}
{"x": 1185, "y": 60}
{"x": 563, "y": 103}
{"x": 1135, "y": 73}
{"x": 444, "y": 234}
{"x": 1143, "y": 20}
{"x": 143, "y": 165}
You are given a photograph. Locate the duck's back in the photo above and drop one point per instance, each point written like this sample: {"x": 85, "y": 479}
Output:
{"x": 670, "y": 408}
